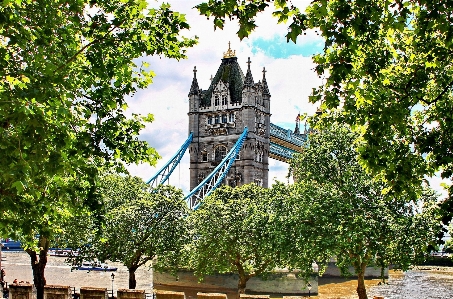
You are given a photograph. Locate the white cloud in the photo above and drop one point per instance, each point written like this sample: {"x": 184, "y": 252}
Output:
{"x": 290, "y": 81}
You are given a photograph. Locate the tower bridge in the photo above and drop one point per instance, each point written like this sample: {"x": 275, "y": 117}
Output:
{"x": 231, "y": 137}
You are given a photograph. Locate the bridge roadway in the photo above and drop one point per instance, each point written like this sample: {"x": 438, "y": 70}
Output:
{"x": 284, "y": 143}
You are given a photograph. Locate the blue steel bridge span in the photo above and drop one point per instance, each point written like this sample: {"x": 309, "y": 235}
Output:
{"x": 283, "y": 144}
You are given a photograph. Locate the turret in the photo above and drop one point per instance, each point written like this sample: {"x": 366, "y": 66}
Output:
{"x": 218, "y": 115}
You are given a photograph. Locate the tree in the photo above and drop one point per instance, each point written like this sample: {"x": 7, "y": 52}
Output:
{"x": 140, "y": 224}
{"x": 235, "y": 232}
{"x": 448, "y": 248}
{"x": 387, "y": 65}
{"x": 66, "y": 69}
{"x": 351, "y": 216}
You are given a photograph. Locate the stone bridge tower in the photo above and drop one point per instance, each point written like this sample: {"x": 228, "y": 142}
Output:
{"x": 217, "y": 117}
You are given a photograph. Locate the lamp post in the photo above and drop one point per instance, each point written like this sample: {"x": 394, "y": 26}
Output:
{"x": 113, "y": 278}
{"x": 1, "y": 245}
{"x": 309, "y": 289}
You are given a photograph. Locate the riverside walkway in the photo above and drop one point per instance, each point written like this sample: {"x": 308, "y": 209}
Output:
{"x": 432, "y": 282}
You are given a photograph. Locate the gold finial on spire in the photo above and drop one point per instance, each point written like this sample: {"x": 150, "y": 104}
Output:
{"x": 230, "y": 53}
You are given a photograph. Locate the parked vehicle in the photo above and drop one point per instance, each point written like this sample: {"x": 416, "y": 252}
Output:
{"x": 62, "y": 252}
{"x": 440, "y": 254}
{"x": 95, "y": 266}
{"x": 11, "y": 245}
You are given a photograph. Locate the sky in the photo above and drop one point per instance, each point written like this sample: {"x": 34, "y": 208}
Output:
{"x": 290, "y": 76}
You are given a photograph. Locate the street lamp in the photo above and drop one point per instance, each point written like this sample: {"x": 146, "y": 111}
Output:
{"x": 113, "y": 278}
{"x": 309, "y": 289}
{"x": 1, "y": 245}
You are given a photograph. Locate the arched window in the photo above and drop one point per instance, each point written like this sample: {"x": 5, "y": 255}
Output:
{"x": 216, "y": 119}
{"x": 216, "y": 100}
{"x": 220, "y": 153}
{"x": 224, "y": 118}
{"x": 224, "y": 99}
{"x": 209, "y": 120}
{"x": 231, "y": 116}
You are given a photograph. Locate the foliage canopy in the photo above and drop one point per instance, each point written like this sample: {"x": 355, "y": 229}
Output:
{"x": 349, "y": 215}
{"x": 66, "y": 70}
{"x": 140, "y": 224}
{"x": 236, "y": 231}
{"x": 387, "y": 65}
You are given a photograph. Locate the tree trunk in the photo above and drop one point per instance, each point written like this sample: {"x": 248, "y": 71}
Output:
{"x": 382, "y": 274}
{"x": 361, "y": 290}
{"x": 132, "y": 281}
{"x": 241, "y": 286}
{"x": 38, "y": 264}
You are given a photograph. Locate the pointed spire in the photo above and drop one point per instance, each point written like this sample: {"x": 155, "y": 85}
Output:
{"x": 248, "y": 77}
{"x": 194, "y": 89}
{"x": 297, "y": 130}
{"x": 265, "y": 88}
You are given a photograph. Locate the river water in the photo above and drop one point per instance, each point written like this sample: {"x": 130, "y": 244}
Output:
{"x": 418, "y": 284}
{"x": 426, "y": 283}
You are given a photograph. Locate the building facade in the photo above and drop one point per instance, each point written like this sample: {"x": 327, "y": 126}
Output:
{"x": 218, "y": 116}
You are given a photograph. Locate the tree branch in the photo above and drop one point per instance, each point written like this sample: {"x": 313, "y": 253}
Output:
{"x": 449, "y": 85}
{"x": 86, "y": 46}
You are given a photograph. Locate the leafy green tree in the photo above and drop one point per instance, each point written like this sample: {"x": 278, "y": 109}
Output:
{"x": 139, "y": 225}
{"x": 448, "y": 247}
{"x": 66, "y": 69}
{"x": 235, "y": 232}
{"x": 387, "y": 65}
{"x": 351, "y": 216}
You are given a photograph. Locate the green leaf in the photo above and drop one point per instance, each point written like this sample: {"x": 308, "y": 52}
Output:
{"x": 19, "y": 186}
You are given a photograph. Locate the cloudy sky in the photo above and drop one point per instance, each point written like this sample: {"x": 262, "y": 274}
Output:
{"x": 290, "y": 78}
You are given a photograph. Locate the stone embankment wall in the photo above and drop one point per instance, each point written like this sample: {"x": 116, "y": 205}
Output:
{"x": 370, "y": 272}
{"x": 93, "y": 293}
{"x": 130, "y": 294}
{"x": 57, "y": 292}
{"x": 282, "y": 282}
{"x": 21, "y": 291}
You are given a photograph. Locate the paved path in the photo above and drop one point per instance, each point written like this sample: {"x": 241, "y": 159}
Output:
{"x": 17, "y": 265}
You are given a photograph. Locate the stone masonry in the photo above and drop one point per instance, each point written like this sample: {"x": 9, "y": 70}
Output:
{"x": 218, "y": 116}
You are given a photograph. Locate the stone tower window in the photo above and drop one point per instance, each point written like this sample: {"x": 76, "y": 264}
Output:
{"x": 204, "y": 157}
{"x": 220, "y": 153}
{"x": 258, "y": 182}
{"x": 259, "y": 156}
